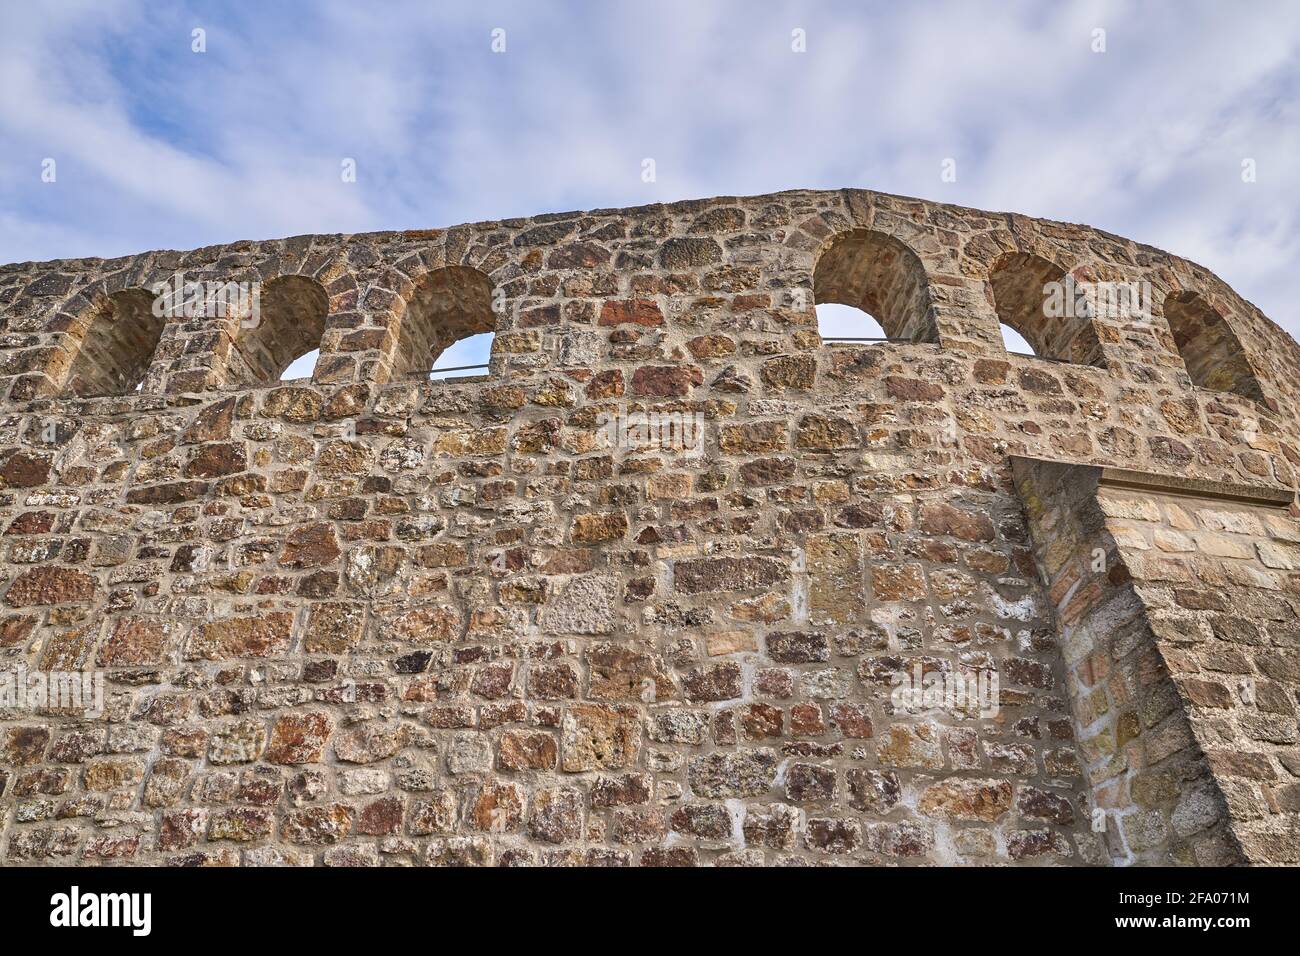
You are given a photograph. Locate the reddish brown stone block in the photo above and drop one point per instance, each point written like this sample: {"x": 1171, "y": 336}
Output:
{"x": 50, "y": 585}
{"x": 299, "y": 738}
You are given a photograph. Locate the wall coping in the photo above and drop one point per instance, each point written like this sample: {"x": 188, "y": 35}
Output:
{"x": 1261, "y": 496}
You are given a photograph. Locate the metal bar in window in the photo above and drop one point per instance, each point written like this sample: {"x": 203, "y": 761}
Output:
{"x": 845, "y": 338}
{"x": 457, "y": 368}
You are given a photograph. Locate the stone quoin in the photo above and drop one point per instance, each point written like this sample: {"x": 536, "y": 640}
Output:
{"x": 374, "y": 619}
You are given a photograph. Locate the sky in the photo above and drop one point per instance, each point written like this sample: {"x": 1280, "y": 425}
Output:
{"x": 1176, "y": 125}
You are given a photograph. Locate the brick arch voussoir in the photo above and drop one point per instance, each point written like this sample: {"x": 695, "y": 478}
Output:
{"x": 74, "y": 321}
{"x": 1232, "y": 311}
{"x": 920, "y": 318}
{"x": 230, "y": 326}
{"x": 75, "y": 314}
{"x": 400, "y": 311}
{"x": 1076, "y": 339}
{"x": 337, "y": 278}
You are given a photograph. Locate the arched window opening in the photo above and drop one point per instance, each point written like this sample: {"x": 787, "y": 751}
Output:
{"x": 1015, "y": 342}
{"x": 1032, "y": 298}
{"x": 448, "y": 307}
{"x": 843, "y": 323}
{"x": 468, "y": 356}
{"x": 121, "y": 334}
{"x": 301, "y": 367}
{"x": 878, "y": 274}
{"x": 287, "y": 325}
{"x": 1210, "y": 349}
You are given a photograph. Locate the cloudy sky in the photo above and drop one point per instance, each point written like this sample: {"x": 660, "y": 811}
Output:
{"x": 158, "y": 146}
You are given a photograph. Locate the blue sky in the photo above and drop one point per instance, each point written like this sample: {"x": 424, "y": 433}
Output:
{"x": 157, "y": 146}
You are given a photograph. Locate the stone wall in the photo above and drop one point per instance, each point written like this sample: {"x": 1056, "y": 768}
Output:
{"x": 1179, "y": 640}
{"x": 374, "y": 619}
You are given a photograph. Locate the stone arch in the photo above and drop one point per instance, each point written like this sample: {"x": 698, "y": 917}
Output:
{"x": 445, "y": 305}
{"x": 1211, "y": 351}
{"x": 115, "y": 342}
{"x": 881, "y": 275}
{"x": 1032, "y": 296}
{"x": 289, "y": 323}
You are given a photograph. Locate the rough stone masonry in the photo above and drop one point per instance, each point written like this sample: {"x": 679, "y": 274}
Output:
{"x": 373, "y": 619}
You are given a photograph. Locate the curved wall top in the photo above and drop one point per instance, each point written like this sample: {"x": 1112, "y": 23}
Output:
{"x": 369, "y": 616}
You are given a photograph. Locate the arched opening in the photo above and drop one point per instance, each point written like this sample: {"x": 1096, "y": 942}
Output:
{"x": 876, "y": 273}
{"x": 467, "y": 356}
{"x": 286, "y": 324}
{"x": 843, "y": 323}
{"x": 1014, "y": 342}
{"x": 121, "y": 334}
{"x": 1210, "y": 349}
{"x": 1033, "y": 298}
{"x": 301, "y": 367}
{"x": 448, "y": 306}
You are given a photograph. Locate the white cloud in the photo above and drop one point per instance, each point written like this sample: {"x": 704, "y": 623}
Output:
{"x": 161, "y": 147}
